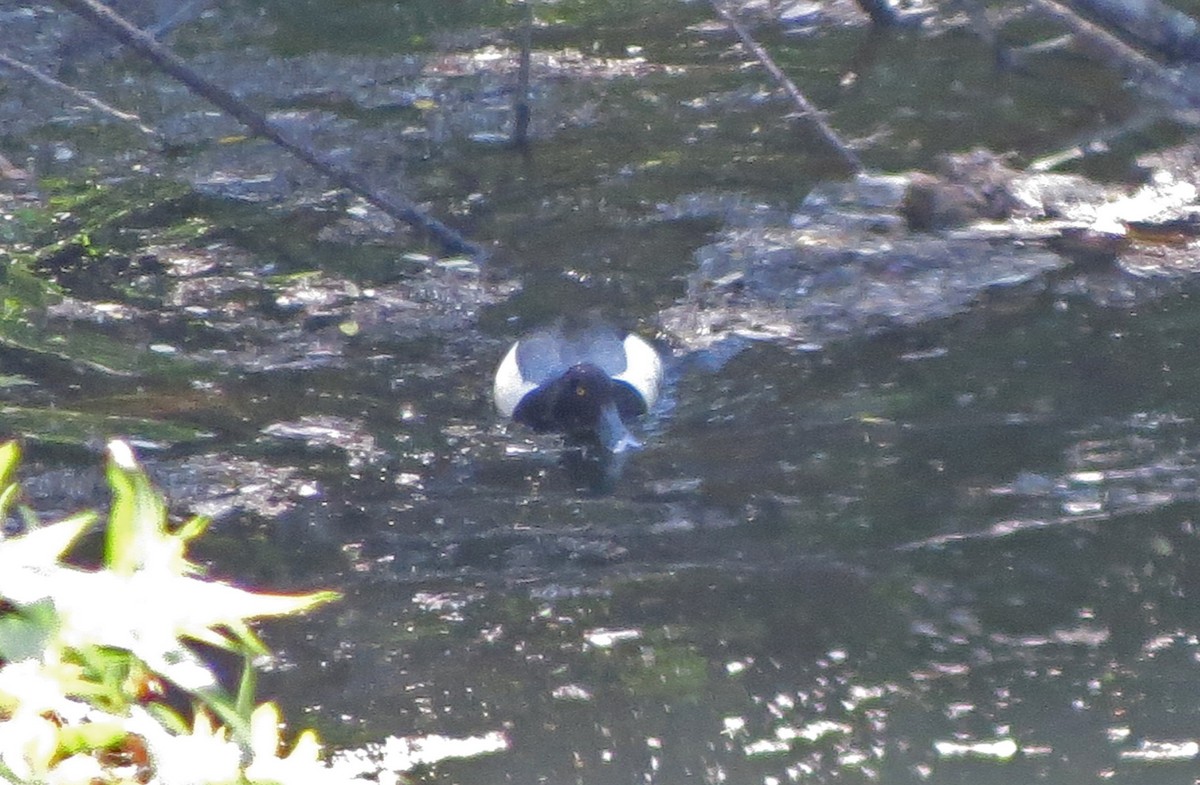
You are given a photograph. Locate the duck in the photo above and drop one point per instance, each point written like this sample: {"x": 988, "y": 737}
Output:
{"x": 584, "y": 381}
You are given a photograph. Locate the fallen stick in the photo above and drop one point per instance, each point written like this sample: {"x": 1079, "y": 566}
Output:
{"x": 396, "y": 206}
{"x": 75, "y": 92}
{"x": 807, "y": 111}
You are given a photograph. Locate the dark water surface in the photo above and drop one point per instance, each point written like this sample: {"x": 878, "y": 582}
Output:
{"x": 959, "y": 553}
{"x": 841, "y": 563}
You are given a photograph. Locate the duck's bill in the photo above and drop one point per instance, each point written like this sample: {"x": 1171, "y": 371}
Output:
{"x": 612, "y": 431}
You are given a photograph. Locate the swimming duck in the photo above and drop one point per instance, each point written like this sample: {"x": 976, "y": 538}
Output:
{"x": 584, "y": 382}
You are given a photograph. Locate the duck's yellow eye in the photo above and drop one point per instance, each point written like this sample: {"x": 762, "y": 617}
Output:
{"x": 581, "y": 391}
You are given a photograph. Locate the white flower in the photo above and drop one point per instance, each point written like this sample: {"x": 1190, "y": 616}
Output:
{"x": 77, "y": 770}
{"x": 27, "y": 743}
{"x": 300, "y": 767}
{"x": 29, "y": 686}
{"x": 205, "y": 757}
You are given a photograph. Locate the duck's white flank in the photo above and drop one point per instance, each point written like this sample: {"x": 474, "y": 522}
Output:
{"x": 509, "y": 388}
{"x": 643, "y": 369}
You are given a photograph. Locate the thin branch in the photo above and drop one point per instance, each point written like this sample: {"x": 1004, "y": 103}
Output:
{"x": 1151, "y": 25}
{"x": 396, "y": 206}
{"x": 807, "y": 111}
{"x": 1093, "y": 143}
{"x": 983, "y": 28}
{"x": 1011, "y": 528}
{"x": 520, "y": 136}
{"x": 185, "y": 12}
{"x": 76, "y": 93}
{"x": 1129, "y": 59}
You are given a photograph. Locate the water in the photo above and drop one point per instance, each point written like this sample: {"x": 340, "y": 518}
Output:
{"x": 959, "y": 562}
{"x": 962, "y": 552}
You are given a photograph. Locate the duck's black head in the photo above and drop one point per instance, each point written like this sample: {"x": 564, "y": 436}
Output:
{"x": 582, "y": 403}
{"x": 583, "y": 392}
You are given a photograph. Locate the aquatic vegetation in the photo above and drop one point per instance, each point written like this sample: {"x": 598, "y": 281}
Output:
{"x": 95, "y": 662}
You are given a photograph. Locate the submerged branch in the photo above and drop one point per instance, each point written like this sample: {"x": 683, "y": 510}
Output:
{"x": 808, "y": 112}
{"x": 1093, "y": 143}
{"x": 1011, "y": 528}
{"x": 396, "y": 206}
{"x": 75, "y": 92}
{"x": 1151, "y": 24}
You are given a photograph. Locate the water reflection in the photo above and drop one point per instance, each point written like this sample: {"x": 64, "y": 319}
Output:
{"x": 593, "y": 471}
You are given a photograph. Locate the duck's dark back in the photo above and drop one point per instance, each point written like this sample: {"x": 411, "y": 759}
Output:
{"x": 546, "y": 354}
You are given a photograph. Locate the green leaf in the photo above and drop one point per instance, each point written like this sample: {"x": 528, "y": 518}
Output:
{"x": 246, "y": 687}
{"x": 193, "y": 528}
{"x": 26, "y": 632}
{"x": 94, "y": 636}
{"x": 168, "y": 718}
{"x": 138, "y": 518}
{"x": 10, "y": 455}
{"x": 90, "y": 736}
{"x": 7, "y": 496}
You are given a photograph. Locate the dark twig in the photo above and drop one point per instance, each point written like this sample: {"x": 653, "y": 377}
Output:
{"x": 395, "y": 206}
{"x": 76, "y": 93}
{"x": 520, "y": 137}
{"x": 1111, "y": 46}
{"x": 982, "y": 26}
{"x": 1012, "y": 528}
{"x": 807, "y": 111}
